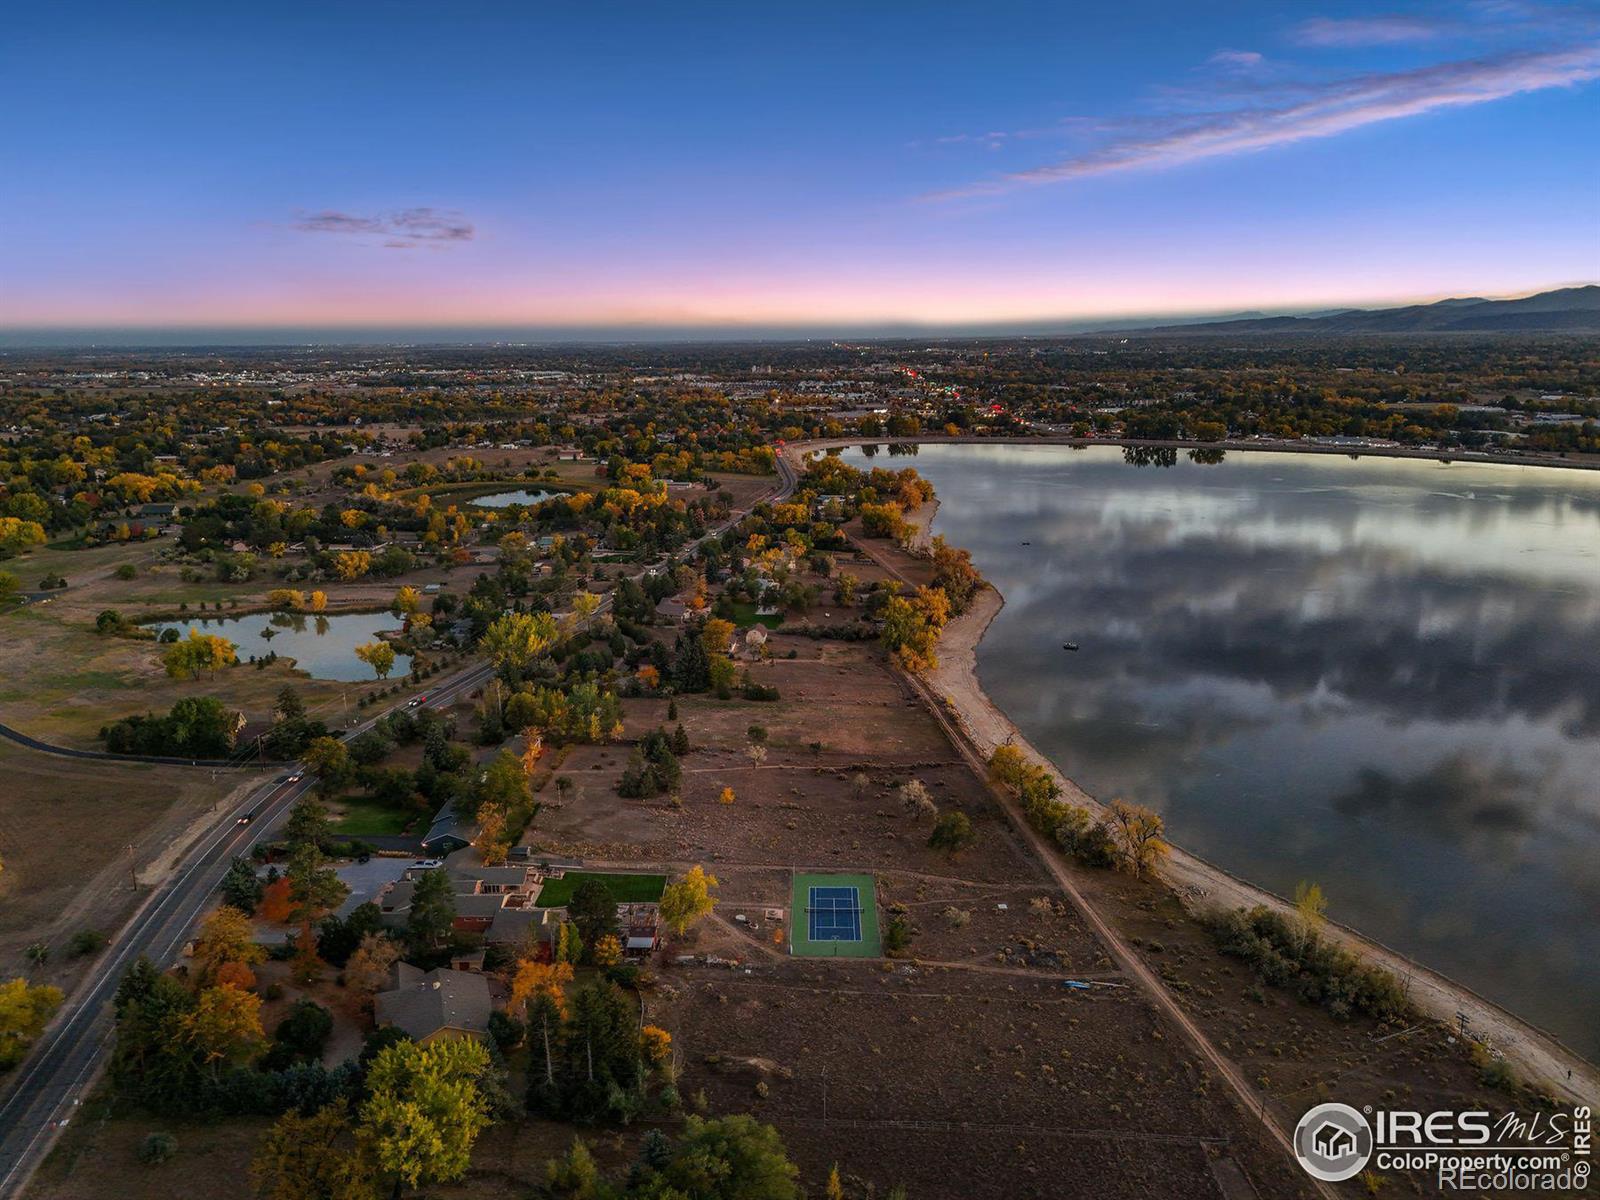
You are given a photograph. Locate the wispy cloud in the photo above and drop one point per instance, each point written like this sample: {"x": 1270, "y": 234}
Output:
{"x": 1235, "y": 61}
{"x": 1368, "y": 31}
{"x": 1304, "y": 112}
{"x": 401, "y": 230}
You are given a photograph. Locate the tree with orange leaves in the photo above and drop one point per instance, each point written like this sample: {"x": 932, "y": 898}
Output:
{"x": 535, "y": 978}
{"x": 275, "y": 903}
{"x": 237, "y": 975}
{"x": 656, "y": 1043}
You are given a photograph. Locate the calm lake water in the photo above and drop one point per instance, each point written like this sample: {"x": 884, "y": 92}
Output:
{"x": 507, "y": 499}
{"x": 322, "y": 646}
{"x": 1382, "y": 675}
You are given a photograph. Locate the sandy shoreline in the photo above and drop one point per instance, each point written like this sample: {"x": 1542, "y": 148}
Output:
{"x": 1532, "y": 1053}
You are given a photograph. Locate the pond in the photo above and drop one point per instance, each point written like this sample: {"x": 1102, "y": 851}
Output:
{"x": 323, "y": 646}
{"x": 1382, "y": 675}
{"x": 507, "y": 499}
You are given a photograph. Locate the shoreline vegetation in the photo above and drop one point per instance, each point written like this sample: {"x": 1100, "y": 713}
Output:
{"x": 1537, "y": 1057}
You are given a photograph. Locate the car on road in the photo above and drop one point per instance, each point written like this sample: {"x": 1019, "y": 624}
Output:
{"x": 247, "y": 818}
{"x": 417, "y": 702}
{"x": 295, "y": 778}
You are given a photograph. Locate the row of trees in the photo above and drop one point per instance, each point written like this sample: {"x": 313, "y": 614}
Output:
{"x": 1128, "y": 836}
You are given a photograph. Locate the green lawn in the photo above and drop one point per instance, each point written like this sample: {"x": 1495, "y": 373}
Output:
{"x": 627, "y": 889}
{"x": 371, "y": 820}
{"x": 744, "y": 616}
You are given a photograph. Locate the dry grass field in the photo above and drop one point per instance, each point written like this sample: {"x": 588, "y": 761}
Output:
{"x": 72, "y": 834}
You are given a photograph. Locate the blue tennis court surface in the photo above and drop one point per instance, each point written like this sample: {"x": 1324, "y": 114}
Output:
{"x": 834, "y": 914}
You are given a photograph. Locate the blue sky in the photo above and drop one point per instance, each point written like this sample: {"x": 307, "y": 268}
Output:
{"x": 830, "y": 166}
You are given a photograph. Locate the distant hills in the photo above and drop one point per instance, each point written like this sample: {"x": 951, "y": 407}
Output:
{"x": 1565, "y": 310}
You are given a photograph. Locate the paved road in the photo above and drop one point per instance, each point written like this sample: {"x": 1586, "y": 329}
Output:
{"x": 210, "y": 764}
{"x": 57, "y": 1074}
{"x": 59, "y": 1071}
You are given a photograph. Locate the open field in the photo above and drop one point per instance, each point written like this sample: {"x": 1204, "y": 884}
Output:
{"x": 67, "y": 680}
{"x": 961, "y": 1084}
{"x": 72, "y": 835}
{"x": 98, "y": 1157}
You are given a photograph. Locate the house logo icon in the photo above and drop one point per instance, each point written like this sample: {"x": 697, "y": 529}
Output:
{"x": 1333, "y": 1142}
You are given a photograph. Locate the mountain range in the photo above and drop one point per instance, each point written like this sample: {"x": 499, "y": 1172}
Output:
{"x": 1565, "y": 310}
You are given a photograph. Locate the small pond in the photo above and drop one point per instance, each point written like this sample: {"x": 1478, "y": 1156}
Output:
{"x": 507, "y": 499}
{"x": 322, "y": 645}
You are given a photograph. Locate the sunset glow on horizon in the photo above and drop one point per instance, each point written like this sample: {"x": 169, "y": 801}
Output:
{"x": 819, "y": 168}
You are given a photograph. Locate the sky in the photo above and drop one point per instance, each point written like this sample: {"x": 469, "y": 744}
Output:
{"x": 838, "y": 167}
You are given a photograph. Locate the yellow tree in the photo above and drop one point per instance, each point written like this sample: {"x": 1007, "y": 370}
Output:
{"x": 225, "y": 1026}
{"x": 225, "y": 937}
{"x": 198, "y": 652}
{"x": 493, "y": 842}
{"x": 608, "y": 951}
{"x": 688, "y": 900}
{"x": 425, "y": 1109}
{"x": 1137, "y": 833}
{"x": 352, "y": 564}
{"x": 378, "y": 655}
{"x": 717, "y": 635}
{"x": 515, "y": 640}
{"x": 726, "y": 796}
{"x": 320, "y": 1157}
{"x": 318, "y": 602}
{"x": 24, "y": 1012}
{"x": 407, "y": 600}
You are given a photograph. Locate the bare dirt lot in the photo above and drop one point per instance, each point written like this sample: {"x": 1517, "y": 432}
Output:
{"x": 957, "y": 1083}
{"x": 987, "y": 1076}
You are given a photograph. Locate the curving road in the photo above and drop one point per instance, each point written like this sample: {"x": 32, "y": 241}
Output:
{"x": 212, "y": 764}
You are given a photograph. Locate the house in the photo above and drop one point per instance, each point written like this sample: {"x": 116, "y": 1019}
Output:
{"x": 434, "y": 1005}
{"x": 673, "y": 608}
{"x": 641, "y": 928}
{"x": 449, "y": 832}
{"x": 496, "y": 902}
{"x": 829, "y": 507}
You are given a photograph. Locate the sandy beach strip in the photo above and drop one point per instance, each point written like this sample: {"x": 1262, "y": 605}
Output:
{"x": 1535, "y": 1055}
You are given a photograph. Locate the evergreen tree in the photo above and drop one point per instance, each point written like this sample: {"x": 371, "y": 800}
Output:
{"x": 433, "y": 913}
{"x": 691, "y": 666}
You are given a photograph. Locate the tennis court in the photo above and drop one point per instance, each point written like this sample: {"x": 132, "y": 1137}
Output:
{"x": 834, "y": 916}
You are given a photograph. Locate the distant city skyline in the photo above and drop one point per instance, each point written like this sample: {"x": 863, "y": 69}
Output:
{"x": 769, "y": 171}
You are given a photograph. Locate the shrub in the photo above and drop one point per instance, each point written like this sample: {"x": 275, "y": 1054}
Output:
{"x": 1288, "y": 954}
{"x": 896, "y": 934}
{"x": 157, "y": 1148}
{"x": 87, "y": 941}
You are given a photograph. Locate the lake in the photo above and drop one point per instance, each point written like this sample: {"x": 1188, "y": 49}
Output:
{"x": 507, "y": 499}
{"x": 323, "y": 646}
{"x": 1382, "y": 675}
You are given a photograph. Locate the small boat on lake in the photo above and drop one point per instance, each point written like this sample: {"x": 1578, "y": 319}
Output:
{"x": 1069, "y": 645}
